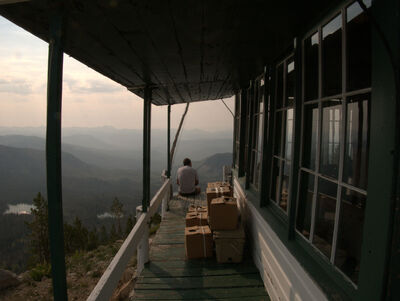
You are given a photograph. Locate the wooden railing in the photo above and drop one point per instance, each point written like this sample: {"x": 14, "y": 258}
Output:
{"x": 137, "y": 239}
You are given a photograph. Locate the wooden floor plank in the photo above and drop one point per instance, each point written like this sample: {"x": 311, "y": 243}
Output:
{"x": 169, "y": 276}
{"x": 211, "y": 281}
{"x": 201, "y": 294}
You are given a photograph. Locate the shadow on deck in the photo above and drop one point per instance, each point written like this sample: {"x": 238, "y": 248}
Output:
{"x": 169, "y": 276}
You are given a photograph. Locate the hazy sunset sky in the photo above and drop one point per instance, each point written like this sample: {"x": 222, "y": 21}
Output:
{"x": 89, "y": 99}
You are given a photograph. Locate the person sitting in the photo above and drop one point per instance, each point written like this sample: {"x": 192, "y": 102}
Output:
{"x": 187, "y": 179}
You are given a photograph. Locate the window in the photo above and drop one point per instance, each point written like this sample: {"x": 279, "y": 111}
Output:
{"x": 283, "y": 133}
{"x": 335, "y": 137}
{"x": 258, "y": 125}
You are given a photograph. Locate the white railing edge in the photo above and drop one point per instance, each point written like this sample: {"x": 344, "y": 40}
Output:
{"x": 110, "y": 278}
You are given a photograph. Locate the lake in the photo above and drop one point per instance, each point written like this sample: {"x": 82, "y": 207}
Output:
{"x": 19, "y": 209}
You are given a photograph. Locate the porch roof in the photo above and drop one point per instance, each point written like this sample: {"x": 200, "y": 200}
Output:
{"x": 187, "y": 50}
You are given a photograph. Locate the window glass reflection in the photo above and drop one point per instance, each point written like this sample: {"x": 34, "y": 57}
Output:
{"x": 260, "y": 132}
{"x": 290, "y": 83}
{"x": 261, "y": 97}
{"x": 257, "y": 169}
{"x": 255, "y": 129}
{"x": 311, "y": 46}
{"x": 355, "y": 170}
{"x": 306, "y": 194}
{"x": 284, "y": 191}
{"x": 358, "y": 48}
{"x": 288, "y": 134}
{"x": 332, "y": 56}
{"x": 275, "y": 180}
{"x": 325, "y": 216}
{"x": 278, "y": 133}
{"x": 330, "y": 140}
{"x": 310, "y": 135}
{"x": 349, "y": 241}
{"x": 279, "y": 87}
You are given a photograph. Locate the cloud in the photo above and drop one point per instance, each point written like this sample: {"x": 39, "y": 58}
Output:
{"x": 90, "y": 86}
{"x": 15, "y": 86}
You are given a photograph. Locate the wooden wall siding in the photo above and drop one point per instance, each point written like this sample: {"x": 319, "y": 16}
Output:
{"x": 282, "y": 274}
{"x": 187, "y": 50}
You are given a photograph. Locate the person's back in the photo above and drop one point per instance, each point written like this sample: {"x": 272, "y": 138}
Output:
{"x": 187, "y": 179}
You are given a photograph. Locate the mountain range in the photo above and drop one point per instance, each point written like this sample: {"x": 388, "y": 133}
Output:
{"x": 96, "y": 168}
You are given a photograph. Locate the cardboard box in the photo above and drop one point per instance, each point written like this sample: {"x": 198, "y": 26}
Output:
{"x": 193, "y": 208}
{"x": 223, "y": 214}
{"x": 198, "y": 242}
{"x": 196, "y": 219}
{"x": 213, "y": 193}
{"x": 218, "y": 184}
{"x": 229, "y": 245}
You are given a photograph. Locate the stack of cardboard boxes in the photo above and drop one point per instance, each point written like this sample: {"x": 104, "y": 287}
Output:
{"x": 218, "y": 223}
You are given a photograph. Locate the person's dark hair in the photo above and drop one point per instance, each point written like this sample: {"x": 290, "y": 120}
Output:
{"x": 186, "y": 161}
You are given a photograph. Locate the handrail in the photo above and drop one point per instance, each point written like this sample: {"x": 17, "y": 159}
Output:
{"x": 109, "y": 281}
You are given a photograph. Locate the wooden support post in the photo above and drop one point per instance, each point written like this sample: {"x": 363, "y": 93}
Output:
{"x": 169, "y": 142}
{"x": 143, "y": 246}
{"x": 269, "y": 120}
{"x": 250, "y": 106}
{"x": 146, "y": 147}
{"x": 242, "y": 131}
{"x": 53, "y": 157}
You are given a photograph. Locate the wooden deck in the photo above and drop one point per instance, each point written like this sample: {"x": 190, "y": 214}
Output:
{"x": 169, "y": 276}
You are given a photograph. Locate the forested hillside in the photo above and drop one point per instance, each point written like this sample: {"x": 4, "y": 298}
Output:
{"x": 96, "y": 169}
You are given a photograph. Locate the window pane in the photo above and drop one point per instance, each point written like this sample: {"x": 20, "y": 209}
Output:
{"x": 278, "y": 134}
{"x": 330, "y": 140}
{"x": 288, "y": 134}
{"x": 284, "y": 193}
{"x": 358, "y": 48}
{"x": 260, "y": 132}
{"x": 261, "y": 97}
{"x": 332, "y": 56}
{"x": 275, "y": 179}
{"x": 348, "y": 250}
{"x": 311, "y": 45}
{"x": 255, "y": 131}
{"x": 290, "y": 83}
{"x": 279, "y": 87}
{"x": 257, "y": 169}
{"x": 306, "y": 194}
{"x": 325, "y": 216}
{"x": 355, "y": 170}
{"x": 310, "y": 134}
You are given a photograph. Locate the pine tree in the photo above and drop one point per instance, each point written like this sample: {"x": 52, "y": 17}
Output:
{"x": 113, "y": 234}
{"x": 39, "y": 234}
{"x": 80, "y": 235}
{"x": 93, "y": 240}
{"x": 118, "y": 213}
{"x": 129, "y": 225}
{"x": 103, "y": 235}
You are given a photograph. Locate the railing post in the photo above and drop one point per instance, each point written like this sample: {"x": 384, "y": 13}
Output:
{"x": 143, "y": 246}
{"x": 165, "y": 200}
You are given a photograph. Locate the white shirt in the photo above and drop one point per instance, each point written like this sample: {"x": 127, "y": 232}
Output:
{"x": 187, "y": 177}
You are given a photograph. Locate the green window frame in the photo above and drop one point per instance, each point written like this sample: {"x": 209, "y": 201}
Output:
{"x": 282, "y": 149}
{"x": 336, "y": 92}
{"x": 258, "y": 132}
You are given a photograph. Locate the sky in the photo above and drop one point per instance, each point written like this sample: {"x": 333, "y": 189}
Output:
{"x": 89, "y": 98}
